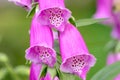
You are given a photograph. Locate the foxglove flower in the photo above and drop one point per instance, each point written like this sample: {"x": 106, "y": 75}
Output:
{"x": 41, "y": 43}
{"x": 104, "y": 8}
{"x": 53, "y": 13}
{"x": 112, "y": 58}
{"x": 35, "y": 71}
{"x": 75, "y": 56}
{"x": 27, "y": 4}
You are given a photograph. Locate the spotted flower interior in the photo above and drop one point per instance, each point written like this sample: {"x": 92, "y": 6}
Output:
{"x": 77, "y": 63}
{"x": 41, "y": 54}
{"x": 54, "y": 16}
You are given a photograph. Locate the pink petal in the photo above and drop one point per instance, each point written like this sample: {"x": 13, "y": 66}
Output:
{"x": 110, "y": 59}
{"x": 104, "y": 8}
{"x": 35, "y": 71}
{"x": 75, "y": 56}
{"x": 41, "y": 43}
{"x": 27, "y": 4}
{"x": 53, "y": 13}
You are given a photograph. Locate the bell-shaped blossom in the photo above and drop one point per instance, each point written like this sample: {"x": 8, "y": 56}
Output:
{"x": 104, "y": 8}
{"x": 112, "y": 58}
{"x": 27, "y": 4}
{"x": 53, "y": 13}
{"x": 35, "y": 71}
{"x": 41, "y": 44}
{"x": 75, "y": 56}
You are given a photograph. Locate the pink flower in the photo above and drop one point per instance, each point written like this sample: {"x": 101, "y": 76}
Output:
{"x": 104, "y": 9}
{"x": 75, "y": 56}
{"x": 35, "y": 73}
{"x": 27, "y": 4}
{"x": 53, "y": 13}
{"x": 41, "y": 44}
{"x": 117, "y": 77}
{"x": 112, "y": 58}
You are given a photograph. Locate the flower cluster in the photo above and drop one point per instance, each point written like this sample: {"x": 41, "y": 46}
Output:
{"x": 53, "y": 14}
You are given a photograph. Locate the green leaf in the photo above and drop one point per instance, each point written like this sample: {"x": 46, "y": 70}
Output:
{"x": 44, "y": 71}
{"x": 108, "y": 72}
{"x": 111, "y": 45}
{"x": 85, "y": 22}
{"x": 52, "y": 72}
{"x": 72, "y": 21}
{"x": 31, "y": 12}
{"x": 59, "y": 73}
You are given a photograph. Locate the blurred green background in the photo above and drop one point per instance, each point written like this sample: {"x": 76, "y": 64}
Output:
{"x": 14, "y": 37}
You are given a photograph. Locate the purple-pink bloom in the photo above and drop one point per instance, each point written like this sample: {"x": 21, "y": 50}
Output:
{"x": 27, "y": 4}
{"x": 41, "y": 44}
{"x": 53, "y": 13}
{"x": 104, "y": 9}
{"x": 75, "y": 56}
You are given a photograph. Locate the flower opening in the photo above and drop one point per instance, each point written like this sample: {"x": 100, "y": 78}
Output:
{"x": 77, "y": 63}
{"x": 41, "y": 54}
{"x": 55, "y": 17}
